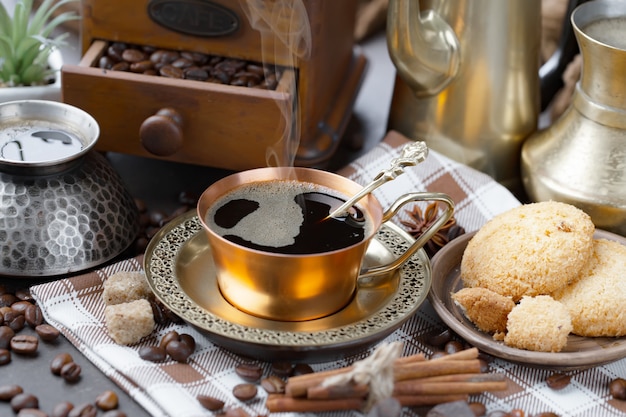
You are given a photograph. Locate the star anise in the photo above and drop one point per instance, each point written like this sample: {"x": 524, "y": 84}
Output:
{"x": 419, "y": 222}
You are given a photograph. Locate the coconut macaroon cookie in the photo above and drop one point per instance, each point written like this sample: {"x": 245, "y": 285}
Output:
{"x": 530, "y": 250}
{"x": 538, "y": 323}
{"x": 487, "y": 309}
{"x": 597, "y": 300}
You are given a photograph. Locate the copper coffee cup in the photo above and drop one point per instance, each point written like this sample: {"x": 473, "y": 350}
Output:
{"x": 301, "y": 287}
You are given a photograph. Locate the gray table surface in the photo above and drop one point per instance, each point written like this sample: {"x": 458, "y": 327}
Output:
{"x": 159, "y": 183}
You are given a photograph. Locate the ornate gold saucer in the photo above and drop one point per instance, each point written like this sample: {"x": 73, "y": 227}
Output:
{"x": 181, "y": 273}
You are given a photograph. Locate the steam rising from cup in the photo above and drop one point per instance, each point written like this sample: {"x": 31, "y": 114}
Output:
{"x": 287, "y": 22}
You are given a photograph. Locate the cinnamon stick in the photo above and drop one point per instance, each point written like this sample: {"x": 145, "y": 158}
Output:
{"x": 420, "y": 388}
{"x": 421, "y": 400}
{"x": 434, "y": 367}
{"x": 471, "y": 353}
{"x": 471, "y": 383}
{"x": 297, "y": 385}
{"x": 469, "y": 377}
{"x": 320, "y": 392}
{"x": 278, "y": 403}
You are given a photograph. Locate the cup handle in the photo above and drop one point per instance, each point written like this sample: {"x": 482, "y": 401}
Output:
{"x": 372, "y": 274}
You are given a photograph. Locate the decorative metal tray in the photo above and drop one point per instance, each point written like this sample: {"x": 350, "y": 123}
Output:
{"x": 181, "y": 273}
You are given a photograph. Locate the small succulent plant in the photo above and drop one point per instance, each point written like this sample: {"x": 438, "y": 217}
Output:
{"x": 26, "y": 42}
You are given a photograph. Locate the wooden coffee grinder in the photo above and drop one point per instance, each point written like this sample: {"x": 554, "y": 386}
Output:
{"x": 210, "y": 123}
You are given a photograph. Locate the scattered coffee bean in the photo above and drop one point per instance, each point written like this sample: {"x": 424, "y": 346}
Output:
{"x": 33, "y": 316}
{"x": 273, "y": 385}
{"x": 31, "y": 412}
{"x": 7, "y": 392}
{"x": 516, "y": 412}
{"x": 62, "y": 409}
{"x": 5, "y": 356}
{"x": 438, "y": 354}
{"x": 558, "y": 381}
{"x": 438, "y": 338}
{"x": 477, "y": 408}
{"x": 59, "y": 361}
{"x": 245, "y": 392}
{"x": 24, "y": 400}
{"x": 282, "y": 369}
{"x": 23, "y": 294}
{"x": 21, "y": 306}
{"x": 617, "y": 388}
{"x": 168, "y": 337}
{"x": 4, "y": 310}
{"x": 453, "y": 346}
{"x": 24, "y": 344}
{"x": 7, "y": 299}
{"x": 14, "y": 320}
{"x": 6, "y": 334}
{"x": 107, "y": 400}
{"x": 249, "y": 371}
{"x": 236, "y": 412}
{"x": 47, "y": 333}
{"x": 179, "y": 350}
{"x": 70, "y": 372}
{"x": 157, "y": 311}
{"x": 302, "y": 369}
{"x": 114, "y": 413}
{"x": 188, "y": 340}
{"x": 83, "y": 410}
{"x": 152, "y": 353}
{"x": 210, "y": 403}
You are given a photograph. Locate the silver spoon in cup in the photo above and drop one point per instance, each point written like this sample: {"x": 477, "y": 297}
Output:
{"x": 412, "y": 154}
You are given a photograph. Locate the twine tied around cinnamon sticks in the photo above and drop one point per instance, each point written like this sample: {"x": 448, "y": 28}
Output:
{"x": 416, "y": 381}
{"x": 375, "y": 371}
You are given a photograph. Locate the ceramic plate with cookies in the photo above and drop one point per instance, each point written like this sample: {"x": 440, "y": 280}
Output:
{"x": 538, "y": 285}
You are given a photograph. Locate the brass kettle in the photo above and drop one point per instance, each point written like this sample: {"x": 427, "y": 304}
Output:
{"x": 581, "y": 157}
{"x": 468, "y": 78}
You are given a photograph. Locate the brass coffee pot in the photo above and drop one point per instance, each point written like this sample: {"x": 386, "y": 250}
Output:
{"x": 581, "y": 157}
{"x": 468, "y": 79}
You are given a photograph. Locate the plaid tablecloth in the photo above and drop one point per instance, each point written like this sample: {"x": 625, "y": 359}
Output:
{"x": 169, "y": 389}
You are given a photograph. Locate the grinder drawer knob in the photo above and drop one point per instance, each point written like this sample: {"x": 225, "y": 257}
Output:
{"x": 162, "y": 133}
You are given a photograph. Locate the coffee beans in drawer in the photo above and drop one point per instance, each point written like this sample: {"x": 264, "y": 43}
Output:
{"x": 195, "y": 66}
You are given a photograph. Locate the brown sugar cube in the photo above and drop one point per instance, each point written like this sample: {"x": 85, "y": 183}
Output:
{"x": 125, "y": 286}
{"x": 128, "y": 322}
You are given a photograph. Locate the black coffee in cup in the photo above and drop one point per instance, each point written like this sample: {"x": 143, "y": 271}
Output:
{"x": 287, "y": 217}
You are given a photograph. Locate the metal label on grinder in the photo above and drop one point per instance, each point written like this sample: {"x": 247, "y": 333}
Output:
{"x": 194, "y": 17}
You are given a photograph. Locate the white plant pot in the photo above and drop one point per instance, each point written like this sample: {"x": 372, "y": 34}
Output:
{"x": 40, "y": 92}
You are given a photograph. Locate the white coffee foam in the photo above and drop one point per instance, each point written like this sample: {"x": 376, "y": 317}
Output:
{"x": 277, "y": 221}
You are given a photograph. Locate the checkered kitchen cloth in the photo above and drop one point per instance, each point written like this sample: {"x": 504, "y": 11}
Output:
{"x": 169, "y": 389}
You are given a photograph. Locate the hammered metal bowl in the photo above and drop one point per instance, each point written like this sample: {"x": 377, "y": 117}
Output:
{"x": 64, "y": 215}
